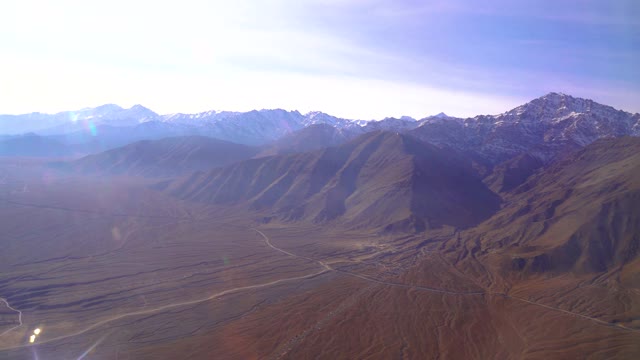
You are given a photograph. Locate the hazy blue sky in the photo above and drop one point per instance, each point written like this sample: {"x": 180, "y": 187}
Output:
{"x": 353, "y": 58}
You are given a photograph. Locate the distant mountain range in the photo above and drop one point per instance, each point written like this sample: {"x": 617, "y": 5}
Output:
{"x": 110, "y": 121}
{"x": 542, "y": 128}
{"x": 70, "y": 121}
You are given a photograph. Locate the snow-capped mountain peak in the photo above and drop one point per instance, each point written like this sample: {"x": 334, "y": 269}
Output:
{"x": 541, "y": 128}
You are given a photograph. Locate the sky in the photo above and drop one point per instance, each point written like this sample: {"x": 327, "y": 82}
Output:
{"x": 360, "y": 59}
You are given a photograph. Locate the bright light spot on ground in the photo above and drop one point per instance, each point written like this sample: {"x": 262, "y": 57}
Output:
{"x": 37, "y": 331}
{"x": 32, "y": 338}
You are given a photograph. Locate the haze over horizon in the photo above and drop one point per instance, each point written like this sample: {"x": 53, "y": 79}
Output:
{"x": 73, "y": 111}
{"x": 360, "y": 59}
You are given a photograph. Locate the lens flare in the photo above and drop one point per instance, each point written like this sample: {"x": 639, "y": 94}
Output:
{"x": 90, "y": 349}
{"x": 32, "y": 339}
{"x": 37, "y": 331}
{"x": 92, "y": 128}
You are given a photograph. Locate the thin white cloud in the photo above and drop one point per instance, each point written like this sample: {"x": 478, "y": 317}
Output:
{"x": 63, "y": 85}
{"x": 234, "y": 55}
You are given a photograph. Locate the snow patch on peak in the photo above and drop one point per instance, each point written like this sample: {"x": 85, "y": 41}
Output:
{"x": 312, "y": 114}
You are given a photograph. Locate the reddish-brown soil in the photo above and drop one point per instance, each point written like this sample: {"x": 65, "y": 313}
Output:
{"x": 110, "y": 268}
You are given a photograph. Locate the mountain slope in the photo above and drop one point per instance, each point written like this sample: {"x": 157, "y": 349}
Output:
{"x": 543, "y": 128}
{"x": 165, "y": 157}
{"x": 378, "y": 180}
{"x": 581, "y": 214}
{"x": 253, "y": 127}
{"x": 312, "y": 137}
{"x": 512, "y": 173}
{"x": 33, "y": 145}
{"x": 69, "y": 121}
{"x": 390, "y": 124}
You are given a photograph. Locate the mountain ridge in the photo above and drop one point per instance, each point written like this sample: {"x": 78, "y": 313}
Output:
{"x": 168, "y": 157}
{"x": 542, "y": 128}
{"x": 579, "y": 214}
{"x": 385, "y": 179}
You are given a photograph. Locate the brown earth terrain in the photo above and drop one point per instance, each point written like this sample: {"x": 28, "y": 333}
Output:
{"x": 166, "y": 157}
{"x": 121, "y": 268}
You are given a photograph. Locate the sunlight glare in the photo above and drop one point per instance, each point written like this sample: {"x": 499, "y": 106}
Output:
{"x": 90, "y": 349}
{"x": 92, "y": 128}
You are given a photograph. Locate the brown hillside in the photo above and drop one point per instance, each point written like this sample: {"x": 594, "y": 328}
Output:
{"x": 379, "y": 180}
{"x": 164, "y": 158}
{"x": 312, "y": 137}
{"x": 581, "y": 214}
{"x": 512, "y": 173}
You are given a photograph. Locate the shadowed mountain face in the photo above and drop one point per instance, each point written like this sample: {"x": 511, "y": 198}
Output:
{"x": 312, "y": 137}
{"x": 33, "y": 145}
{"x": 581, "y": 214}
{"x": 511, "y": 173}
{"x": 167, "y": 157}
{"x": 379, "y": 180}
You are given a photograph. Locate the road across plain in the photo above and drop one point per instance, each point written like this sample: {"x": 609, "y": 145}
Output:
{"x": 326, "y": 268}
{"x": 19, "y": 316}
{"x": 443, "y": 291}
